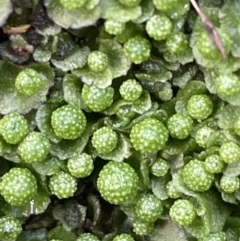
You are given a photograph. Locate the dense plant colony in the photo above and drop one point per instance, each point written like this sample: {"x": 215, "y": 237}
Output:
{"x": 119, "y": 120}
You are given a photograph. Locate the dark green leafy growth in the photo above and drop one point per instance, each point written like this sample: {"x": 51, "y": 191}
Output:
{"x": 214, "y": 81}
{"x": 18, "y": 186}
{"x": 173, "y": 8}
{"x": 5, "y": 9}
{"x": 94, "y": 204}
{"x": 182, "y": 212}
{"x": 13, "y": 128}
{"x": 10, "y": 228}
{"x": 232, "y": 170}
{"x": 61, "y": 233}
{"x": 211, "y": 151}
{"x": 229, "y": 20}
{"x": 34, "y": 147}
{"x": 182, "y": 57}
{"x": 101, "y": 79}
{"x": 69, "y": 213}
{"x": 18, "y": 41}
{"x": 72, "y": 86}
{"x": 68, "y": 122}
{"x": 50, "y": 30}
{"x": 153, "y": 79}
{"x": 2, "y": 146}
{"x": 117, "y": 61}
{"x": 37, "y": 205}
{"x": 63, "y": 185}
{"x": 228, "y": 136}
{"x": 143, "y": 103}
{"x": 9, "y": 152}
{"x": 71, "y": 18}
{"x": 159, "y": 114}
{"x": 131, "y": 30}
{"x": 145, "y": 142}
{"x": 141, "y": 166}
{"x": 49, "y": 166}
{"x": 43, "y": 121}
{"x": 33, "y": 235}
{"x": 67, "y": 148}
{"x": 122, "y": 108}
{"x": 130, "y": 3}
{"x": 237, "y": 126}
{"x": 183, "y": 78}
{"x": 147, "y": 11}
{"x": 219, "y": 236}
{"x": 6, "y": 51}
{"x": 43, "y": 51}
{"x": 166, "y": 93}
{"x": 148, "y": 208}
{"x": 158, "y": 185}
{"x": 111, "y": 189}
{"x": 168, "y": 230}
{"x": 109, "y": 9}
{"x": 73, "y": 4}
{"x": 76, "y": 60}
{"x": 176, "y": 149}
{"x": 11, "y": 99}
{"x": 227, "y": 117}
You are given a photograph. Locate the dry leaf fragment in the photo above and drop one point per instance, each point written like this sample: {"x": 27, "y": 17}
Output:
{"x": 17, "y": 30}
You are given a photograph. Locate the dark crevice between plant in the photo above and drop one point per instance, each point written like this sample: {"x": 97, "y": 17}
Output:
{"x": 3, "y": 36}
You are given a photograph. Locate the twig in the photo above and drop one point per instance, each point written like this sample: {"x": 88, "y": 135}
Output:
{"x": 17, "y": 30}
{"x": 211, "y": 30}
